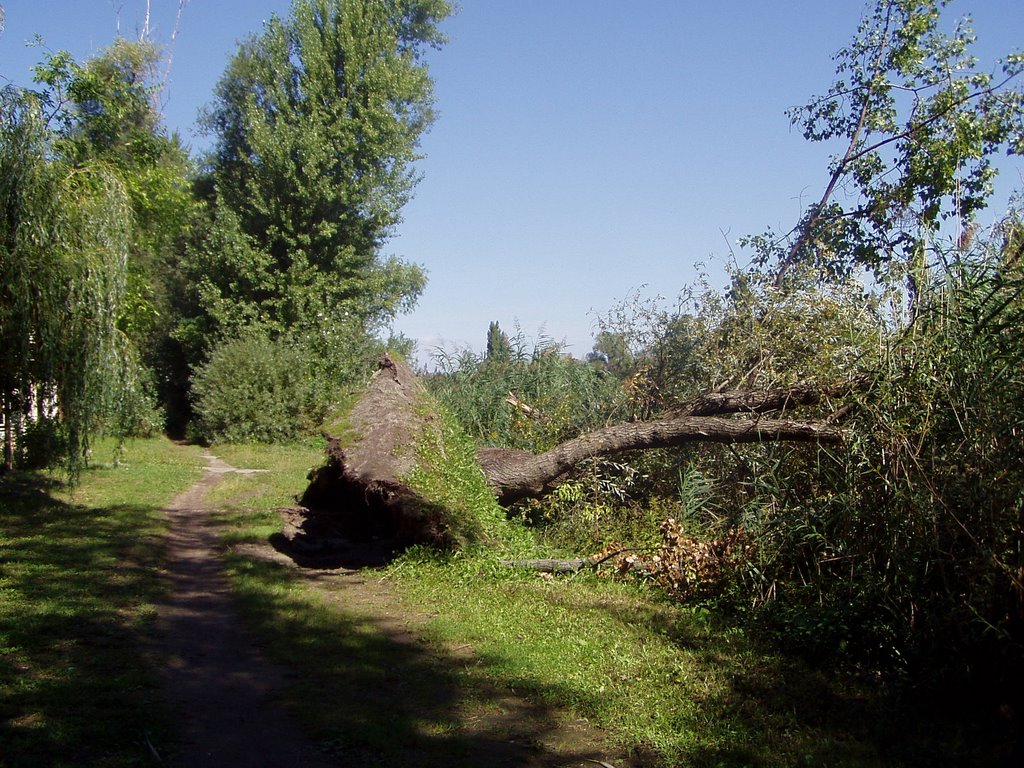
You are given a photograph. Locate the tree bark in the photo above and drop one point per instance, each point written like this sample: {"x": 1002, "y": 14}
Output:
{"x": 516, "y": 475}
{"x": 360, "y": 491}
{"x": 765, "y": 401}
{"x": 359, "y": 495}
{"x": 8, "y": 414}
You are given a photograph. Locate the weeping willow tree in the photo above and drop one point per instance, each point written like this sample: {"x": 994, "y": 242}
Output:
{"x": 64, "y": 235}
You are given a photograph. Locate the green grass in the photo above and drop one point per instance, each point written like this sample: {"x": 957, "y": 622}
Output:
{"x": 660, "y": 678}
{"x": 447, "y": 474}
{"x": 665, "y": 680}
{"x": 246, "y": 504}
{"x": 79, "y": 572}
{"x": 681, "y": 685}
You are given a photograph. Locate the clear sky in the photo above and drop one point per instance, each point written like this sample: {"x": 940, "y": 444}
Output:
{"x": 584, "y": 149}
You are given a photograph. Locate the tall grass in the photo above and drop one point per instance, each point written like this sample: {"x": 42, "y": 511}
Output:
{"x": 528, "y": 399}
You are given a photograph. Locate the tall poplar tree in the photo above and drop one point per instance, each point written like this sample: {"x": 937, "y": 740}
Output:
{"x": 317, "y": 121}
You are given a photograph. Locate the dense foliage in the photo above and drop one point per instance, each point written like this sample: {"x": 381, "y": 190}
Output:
{"x": 253, "y": 389}
{"x": 272, "y": 245}
{"x": 316, "y": 121}
{"x": 518, "y": 397}
{"x": 934, "y": 501}
{"x": 104, "y": 111}
{"x": 64, "y": 233}
{"x": 899, "y": 552}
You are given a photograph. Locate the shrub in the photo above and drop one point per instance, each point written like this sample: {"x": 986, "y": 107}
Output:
{"x": 904, "y": 550}
{"x": 254, "y": 389}
{"x": 42, "y": 444}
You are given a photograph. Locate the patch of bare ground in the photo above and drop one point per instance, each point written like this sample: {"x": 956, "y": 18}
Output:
{"x": 397, "y": 701}
{"x": 220, "y": 686}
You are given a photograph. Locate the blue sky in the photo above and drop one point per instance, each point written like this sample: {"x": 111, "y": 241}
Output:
{"x": 584, "y": 149}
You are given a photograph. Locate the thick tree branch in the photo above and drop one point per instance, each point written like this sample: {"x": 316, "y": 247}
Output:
{"x": 766, "y": 401}
{"x": 516, "y": 475}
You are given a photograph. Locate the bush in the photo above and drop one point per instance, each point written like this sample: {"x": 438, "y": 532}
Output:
{"x": 904, "y": 550}
{"x": 447, "y": 474}
{"x": 43, "y": 444}
{"x": 254, "y": 389}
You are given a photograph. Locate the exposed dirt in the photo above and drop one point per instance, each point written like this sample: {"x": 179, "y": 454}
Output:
{"x": 220, "y": 686}
{"x": 226, "y": 694}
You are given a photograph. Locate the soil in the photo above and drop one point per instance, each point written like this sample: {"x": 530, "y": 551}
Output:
{"x": 220, "y": 686}
{"x": 227, "y": 696}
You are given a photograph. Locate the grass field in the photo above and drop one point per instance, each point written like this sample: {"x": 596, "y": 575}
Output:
{"x": 670, "y": 681}
{"x": 661, "y": 678}
{"x": 79, "y": 572}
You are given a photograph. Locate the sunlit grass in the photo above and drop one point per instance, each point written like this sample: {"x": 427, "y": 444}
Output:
{"x": 681, "y": 686}
{"x": 660, "y": 678}
{"x": 78, "y": 579}
{"x": 246, "y": 504}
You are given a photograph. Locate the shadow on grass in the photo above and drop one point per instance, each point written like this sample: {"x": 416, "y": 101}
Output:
{"x": 385, "y": 698}
{"x": 341, "y": 553}
{"x": 74, "y": 687}
{"x": 781, "y": 710}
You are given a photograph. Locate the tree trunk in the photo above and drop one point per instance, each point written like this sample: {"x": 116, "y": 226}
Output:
{"x": 10, "y": 433}
{"x": 359, "y": 495}
{"x": 360, "y": 491}
{"x": 516, "y": 475}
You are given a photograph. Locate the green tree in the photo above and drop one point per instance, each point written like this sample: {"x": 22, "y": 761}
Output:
{"x": 499, "y": 349}
{"x": 64, "y": 235}
{"x": 919, "y": 123}
{"x": 611, "y": 351}
{"x": 103, "y": 111}
{"x": 317, "y": 121}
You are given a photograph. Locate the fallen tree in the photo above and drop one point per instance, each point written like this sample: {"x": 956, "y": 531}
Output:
{"x": 516, "y": 475}
{"x": 363, "y": 491}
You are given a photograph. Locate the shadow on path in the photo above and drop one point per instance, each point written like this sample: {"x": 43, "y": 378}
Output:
{"x": 219, "y": 684}
{"x": 383, "y": 697}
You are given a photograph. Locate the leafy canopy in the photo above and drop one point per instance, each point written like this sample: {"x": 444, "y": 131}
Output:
{"x": 104, "y": 110}
{"x": 920, "y": 122}
{"x": 317, "y": 121}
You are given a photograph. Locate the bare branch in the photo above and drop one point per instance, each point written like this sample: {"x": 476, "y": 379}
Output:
{"x": 170, "y": 49}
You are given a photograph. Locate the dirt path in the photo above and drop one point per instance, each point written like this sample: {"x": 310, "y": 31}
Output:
{"x": 218, "y": 682}
{"x": 415, "y": 706}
